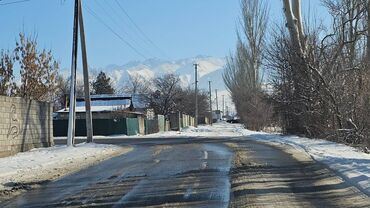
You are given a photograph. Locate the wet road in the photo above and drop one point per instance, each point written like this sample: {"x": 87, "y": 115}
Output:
{"x": 189, "y": 172}
{"x": 179, "y": 174}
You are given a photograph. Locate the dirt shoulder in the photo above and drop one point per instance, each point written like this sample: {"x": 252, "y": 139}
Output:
{"x": 28, "y": 170}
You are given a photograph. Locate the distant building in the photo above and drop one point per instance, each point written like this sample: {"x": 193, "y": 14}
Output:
{"x": 111, "y": 114}
{"x": 216, "y": 115}
{"x": 106, "y": 105}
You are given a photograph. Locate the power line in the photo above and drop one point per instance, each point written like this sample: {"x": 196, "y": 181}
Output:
{"x": 114, "y": 32}
{"x": 138, "y": 28}
{"x": 13, "y": 2}
{"x": 120, "y": 26}
{"x": 106, "y": 12}
{"x": 131, "y": 25}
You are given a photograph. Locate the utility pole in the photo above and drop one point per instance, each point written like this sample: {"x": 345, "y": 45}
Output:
{"x": 72, "y": 99}
{"x": 223, "y": 105}
{"x": 227, "y": 111}
{"x": 216, "y": 101}
{"x": 196, "y": 94}
{"x": 89, "y": 125}
{"x": 210, "y": 103}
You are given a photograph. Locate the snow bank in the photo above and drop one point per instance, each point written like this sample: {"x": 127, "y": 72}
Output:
{"x": 44, "y": 164}
{"x": 348, "y": 162}
{"x": 217, "y": 130}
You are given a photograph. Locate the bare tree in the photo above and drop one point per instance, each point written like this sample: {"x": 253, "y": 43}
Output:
{"x": 137, "y": 85}
{"x": 320, "y": 75}
{"x": 242, "y": 75}
{"x": 185, "y": 102}
{"x": 292, "y": 10}
{"x": 164, "y": 92}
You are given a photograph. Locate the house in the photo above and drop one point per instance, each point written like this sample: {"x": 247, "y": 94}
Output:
{"x": 216, "y": 115}
{"x": 104, "y": 106}
{"x": 111, "y": 114}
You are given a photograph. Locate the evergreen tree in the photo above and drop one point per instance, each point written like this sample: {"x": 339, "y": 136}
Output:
{"x": 103, "y": 84}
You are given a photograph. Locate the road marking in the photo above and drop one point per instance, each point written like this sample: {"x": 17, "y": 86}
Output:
{"x": 188, "y": 193}
{"x": 204, "y": 165}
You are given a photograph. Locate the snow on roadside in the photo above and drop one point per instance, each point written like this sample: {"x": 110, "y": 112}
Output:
{"x": 348, "y": 162}
{"x": 217, "y": 130}
{"x": 44, "y": 164}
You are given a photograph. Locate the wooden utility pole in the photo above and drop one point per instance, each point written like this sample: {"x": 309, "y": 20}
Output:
{"x": 196, "y": 94}
{"x": 89, "y": 125}
{"x": 72, "y": 99}
{"x": 210, "y": 103}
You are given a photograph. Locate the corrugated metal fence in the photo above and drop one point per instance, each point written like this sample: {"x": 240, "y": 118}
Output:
{"x": 126, "y": 126}
{"x": 102, "y": 127}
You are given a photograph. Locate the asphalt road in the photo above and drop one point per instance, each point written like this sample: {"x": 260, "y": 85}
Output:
{"x": 202, "y": 172}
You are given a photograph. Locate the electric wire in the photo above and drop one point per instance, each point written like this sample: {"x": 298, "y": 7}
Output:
{"x": 12, "y": 2}
{"x": 114, "y": 32}
{"x": 135, "y": 42}
{"x": 138, "y": 28}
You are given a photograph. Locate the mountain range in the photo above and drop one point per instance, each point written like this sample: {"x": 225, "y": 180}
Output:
{"x": 210, "y": 69}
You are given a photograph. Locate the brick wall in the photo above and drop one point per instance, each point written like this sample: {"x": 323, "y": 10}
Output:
{"x": 24, "y": 124}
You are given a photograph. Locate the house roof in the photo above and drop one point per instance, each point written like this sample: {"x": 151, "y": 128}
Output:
{"x": 101, "y": 103}
{"x": 80, "y": 109}
{"x": 106, "y": 97}
{"x": 96, "y": 109}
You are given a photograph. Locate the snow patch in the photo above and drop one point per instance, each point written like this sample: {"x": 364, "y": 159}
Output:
{"x": 50, "y": 163}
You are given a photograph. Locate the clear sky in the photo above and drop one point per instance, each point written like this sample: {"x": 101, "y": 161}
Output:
{"x": 178, "y": 28}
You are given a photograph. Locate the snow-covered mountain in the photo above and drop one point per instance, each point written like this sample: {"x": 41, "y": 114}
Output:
{"x": 210, "y": 69}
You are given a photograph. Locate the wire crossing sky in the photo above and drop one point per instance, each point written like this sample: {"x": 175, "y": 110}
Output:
{"x": 3, "y": 3}
{"x": 120, "y": 31}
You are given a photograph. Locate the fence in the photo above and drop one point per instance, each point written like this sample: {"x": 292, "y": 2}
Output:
{"x": 178, "y": 121}
{"x": 24, "y": 124}
{"x": 161, "y": 123}
{"x": 127, "y": 126}
{"x": 102, "y": 127}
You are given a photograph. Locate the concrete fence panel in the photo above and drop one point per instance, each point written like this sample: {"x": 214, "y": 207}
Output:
{"x": 175, "y": 121}
{"x": 24, "y": 124}
{"x": 151, "y": 126}
{"x": 161, "y": 123}
{"x": 141, "y": 121}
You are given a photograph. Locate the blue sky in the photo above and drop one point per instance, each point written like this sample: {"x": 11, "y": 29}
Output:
{"x": 179, "y": 28}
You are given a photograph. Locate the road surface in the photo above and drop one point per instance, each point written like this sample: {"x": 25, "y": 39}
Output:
{"x": 198, "y": 172}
